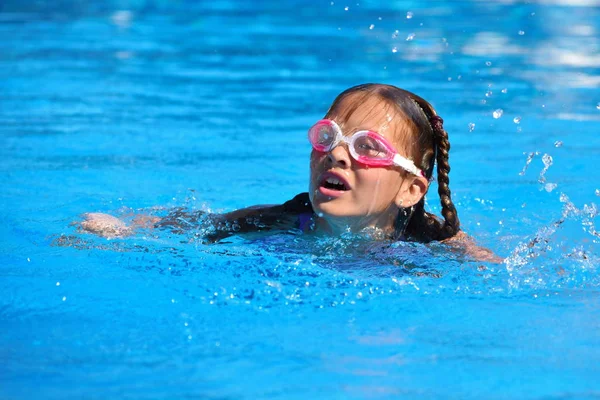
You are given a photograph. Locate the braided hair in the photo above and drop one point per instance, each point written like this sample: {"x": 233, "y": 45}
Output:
{"x": 432, "y": 145}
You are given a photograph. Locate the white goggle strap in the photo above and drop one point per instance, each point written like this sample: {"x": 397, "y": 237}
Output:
{"x": 407, "y": 165}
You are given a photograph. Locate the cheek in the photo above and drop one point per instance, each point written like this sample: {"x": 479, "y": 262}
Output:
{"x": 316, "y": 159}
{"x": 380, "y": 180}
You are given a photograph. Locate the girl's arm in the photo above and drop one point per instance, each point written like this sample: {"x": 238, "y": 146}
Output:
{"x": 465, "y": 243}
{"x": 216, "y": 226}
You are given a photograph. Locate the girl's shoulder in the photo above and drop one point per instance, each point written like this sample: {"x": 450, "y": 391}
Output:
{"x": 300, "y": 204}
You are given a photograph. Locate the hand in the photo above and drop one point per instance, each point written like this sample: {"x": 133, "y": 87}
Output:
{"x": 104, "y": 225}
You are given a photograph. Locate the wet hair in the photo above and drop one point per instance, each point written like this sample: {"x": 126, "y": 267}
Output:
{"x": 430, "y": 145}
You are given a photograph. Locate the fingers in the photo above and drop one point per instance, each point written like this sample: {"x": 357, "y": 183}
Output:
{"x": 104, "y": 225}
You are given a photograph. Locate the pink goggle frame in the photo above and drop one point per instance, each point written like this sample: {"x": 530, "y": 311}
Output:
{"x": 366, "y": 147}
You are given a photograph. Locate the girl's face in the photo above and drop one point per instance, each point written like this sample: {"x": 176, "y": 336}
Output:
{"x": 349, "y": 195}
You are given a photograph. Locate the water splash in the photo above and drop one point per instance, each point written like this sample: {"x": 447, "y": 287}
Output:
{"x": 528, "y": 161}
{"x": 547, "y": 160}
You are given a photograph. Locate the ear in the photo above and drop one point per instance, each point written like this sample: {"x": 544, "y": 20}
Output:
{"x": 412, "y": 190}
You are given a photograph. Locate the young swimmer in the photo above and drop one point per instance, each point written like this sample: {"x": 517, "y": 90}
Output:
{"x": 372, "y": 161}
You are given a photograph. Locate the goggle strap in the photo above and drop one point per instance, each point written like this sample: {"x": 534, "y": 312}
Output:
{"x": 407, "y": 165}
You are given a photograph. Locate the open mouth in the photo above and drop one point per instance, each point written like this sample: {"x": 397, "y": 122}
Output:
{"x": 332, "y": 183}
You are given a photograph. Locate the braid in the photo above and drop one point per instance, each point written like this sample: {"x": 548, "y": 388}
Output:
{"x": 451, "y": 223}
{"x": 424, "y": 226}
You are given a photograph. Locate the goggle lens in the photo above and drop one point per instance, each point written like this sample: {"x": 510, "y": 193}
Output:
{"x": 370, "y": 147}
{"x": 322, "y": 135}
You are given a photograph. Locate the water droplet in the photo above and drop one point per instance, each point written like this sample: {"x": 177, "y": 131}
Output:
{"x": 550, "y": 187}
{"x": 517, "y": 120}
{"x": 346, "y": 8}
{"x": 409, "y": 15}
{"x": 598, "y": 192}
{"x": 488, "y": 93}
{"x": 558, "y": 143}
{"x": 505, "y": 90}
{"x": 410, "y": 37}
{"x": 371, "y": 26}
{"x": 64, "y": 298}
{"x": 471, "y": 127}
{"x": 488, "y": 63}
{"x": 395, "y": 34}
{"x": 547, "y": 160}
{"x": 497, "y": 113}
{"x": 521, "y": 33}
{"x": 394, "y": 49}
{"x": 320, "y": 215}
{"x": 57, "y": 283}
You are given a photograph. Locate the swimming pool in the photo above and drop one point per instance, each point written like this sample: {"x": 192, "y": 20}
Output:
{"x": 120, "y": 106}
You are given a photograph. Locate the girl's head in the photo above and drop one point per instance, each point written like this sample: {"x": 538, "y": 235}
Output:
{"x": 348, "y": 193}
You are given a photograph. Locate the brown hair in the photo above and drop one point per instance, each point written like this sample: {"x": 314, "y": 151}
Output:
{"x": 432, "y": 145}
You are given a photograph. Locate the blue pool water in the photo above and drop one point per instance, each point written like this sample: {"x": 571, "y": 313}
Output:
{"x": 122, "y": 106}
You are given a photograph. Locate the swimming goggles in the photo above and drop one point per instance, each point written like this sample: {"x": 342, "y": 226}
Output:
{"x": 366, "y": 147}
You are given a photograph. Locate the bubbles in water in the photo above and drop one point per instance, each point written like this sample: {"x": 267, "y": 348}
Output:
{"x": 346, "y": 8}
{"x": 395, "y": 34}
{"x": 410, "y": 37}
{"x": 497, "y": 113}
{"x": 517, "y": 120}
{"x": 394, "y": 49}
{"x": 488, "y": 93}
{"x": 598, "y": 192}
{"x": 409, "y": 15}
{"x": 521, "y": 33}
{"x": 505, "y": 90}
{"x": 598, "y": 106}
{"x": 558, "y": 143}
{"x": 371, "y": 26}
{"x": 471, "y": 127}
{"x": 488, "y": 63}
{"x": 550, "y": 187}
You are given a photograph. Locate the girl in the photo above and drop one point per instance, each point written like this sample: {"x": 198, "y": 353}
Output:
{"x": 372, "y": 161}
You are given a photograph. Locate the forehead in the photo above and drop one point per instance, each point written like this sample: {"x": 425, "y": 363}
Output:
{"x": 359, "y": 112}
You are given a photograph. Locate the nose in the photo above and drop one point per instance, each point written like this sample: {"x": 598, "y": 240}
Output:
{"x": 339, "y": 156}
